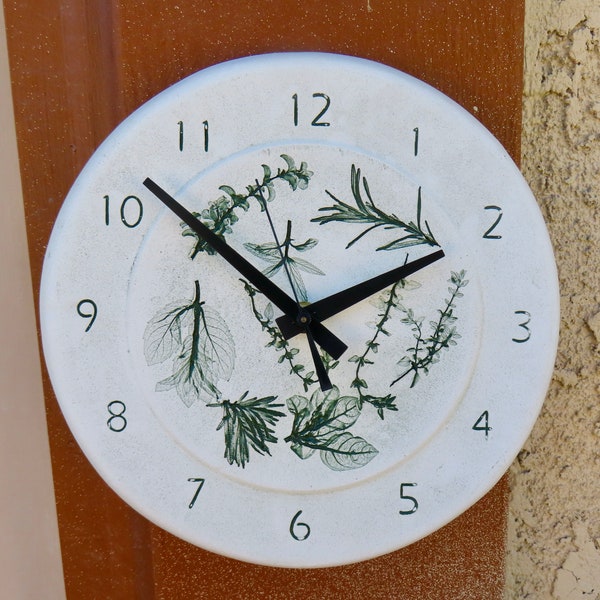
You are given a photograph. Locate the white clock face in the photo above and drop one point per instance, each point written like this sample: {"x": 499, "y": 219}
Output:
{"x": 321, "y": 171}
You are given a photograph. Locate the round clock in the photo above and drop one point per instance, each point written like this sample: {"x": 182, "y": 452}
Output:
{"x": 300, "y": 309}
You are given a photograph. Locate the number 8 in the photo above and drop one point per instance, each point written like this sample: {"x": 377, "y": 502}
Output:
{"x": 114, "y": 415}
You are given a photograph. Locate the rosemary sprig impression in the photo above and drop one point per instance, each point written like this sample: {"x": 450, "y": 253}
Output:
{"x": 366, "y": 212}
{"x": 248, "y": 423}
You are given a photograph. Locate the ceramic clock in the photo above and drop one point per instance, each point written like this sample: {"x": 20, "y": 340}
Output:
{"x": 300, "y": 309}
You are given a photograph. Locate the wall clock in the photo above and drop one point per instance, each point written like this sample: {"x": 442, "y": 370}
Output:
{"x": 300, "y": 309}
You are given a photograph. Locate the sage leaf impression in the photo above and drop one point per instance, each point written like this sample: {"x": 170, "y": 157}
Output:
{"x": 321, "y": 423}
{"x": 200, "y": 343}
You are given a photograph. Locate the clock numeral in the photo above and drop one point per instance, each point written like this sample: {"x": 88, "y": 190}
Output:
{"x": 411, "y": 499}
{"x": 316, "y": 122}
{"x": 488, "y": 235}
{"x": 483, "y": 423}
{"x": 524, "y": 325}
{"x": 116, "y": 422}
{"x": 416, "y": 145}
{"x": 298, "y": 530}
{"x": 131, "y": 211}
{"x": 205, "y": 129}
{"x": 181, "y": 135}
{"x": 200, "y": 483}
{"x": 87, "y": 313}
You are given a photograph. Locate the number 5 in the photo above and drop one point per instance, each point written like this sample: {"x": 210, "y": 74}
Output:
{"x": 411, "y": 499}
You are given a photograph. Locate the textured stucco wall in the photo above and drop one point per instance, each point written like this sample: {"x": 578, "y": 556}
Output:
{"x": 554, "y": 520}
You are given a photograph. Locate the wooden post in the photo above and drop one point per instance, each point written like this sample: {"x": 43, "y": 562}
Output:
{"x": 78, "y": 68}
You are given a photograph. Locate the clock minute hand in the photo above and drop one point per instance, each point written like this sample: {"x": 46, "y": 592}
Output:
{"x": 336, "y": 303}
{"x": 327, "y": 340}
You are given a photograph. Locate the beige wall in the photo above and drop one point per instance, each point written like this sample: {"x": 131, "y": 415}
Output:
{"x": 554, "y": 520}
{"x": 30, "y": 566}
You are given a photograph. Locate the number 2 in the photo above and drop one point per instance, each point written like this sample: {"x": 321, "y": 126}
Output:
{"x": 488, "y": 235}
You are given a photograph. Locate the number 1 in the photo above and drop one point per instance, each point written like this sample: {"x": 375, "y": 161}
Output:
{"x": 181, "y": 138}
{"x": 416, "y": 147}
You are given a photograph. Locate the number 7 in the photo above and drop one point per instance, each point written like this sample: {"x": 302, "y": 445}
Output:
{"x": 200, "y": 483}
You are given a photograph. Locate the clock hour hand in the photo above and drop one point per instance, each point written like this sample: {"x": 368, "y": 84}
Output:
{"x": 322, "y": 336}
{"x": 332, "y": 305}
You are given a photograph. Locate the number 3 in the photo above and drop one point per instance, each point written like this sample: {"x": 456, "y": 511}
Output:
{"x": 524, "y": 325}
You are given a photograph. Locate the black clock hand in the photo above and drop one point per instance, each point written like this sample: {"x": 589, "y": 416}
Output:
{"x": 331, "y": 305}
{"x": 327, "y": 340}
{"x": 321, "y": 371}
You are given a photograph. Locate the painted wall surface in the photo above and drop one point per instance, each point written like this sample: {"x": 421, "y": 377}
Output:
{"x": 554, "y": 520}
{"x": 30, "y": 562}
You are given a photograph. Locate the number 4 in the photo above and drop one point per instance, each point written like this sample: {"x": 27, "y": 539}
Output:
{"x": 483, "y": 423}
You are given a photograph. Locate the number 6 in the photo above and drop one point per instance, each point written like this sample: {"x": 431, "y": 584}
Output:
{"x": 295, "y": 524}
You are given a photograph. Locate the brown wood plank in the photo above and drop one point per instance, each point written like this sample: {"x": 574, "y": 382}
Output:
{"x": 78, "y": 68}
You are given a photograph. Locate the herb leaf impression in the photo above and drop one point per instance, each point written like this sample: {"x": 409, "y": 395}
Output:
{"x": 364, "y": 211}
{"x": 199, "y": 344}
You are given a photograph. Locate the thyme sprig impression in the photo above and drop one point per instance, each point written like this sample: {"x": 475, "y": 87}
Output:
{"x": 220, "y": 215}
{"x": 441, "y": 336}
{"x": 277, "y": 340}
{"x": 388, "y": 301}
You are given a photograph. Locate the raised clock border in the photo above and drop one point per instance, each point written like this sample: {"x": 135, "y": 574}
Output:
{"x": 77, "y": 71}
